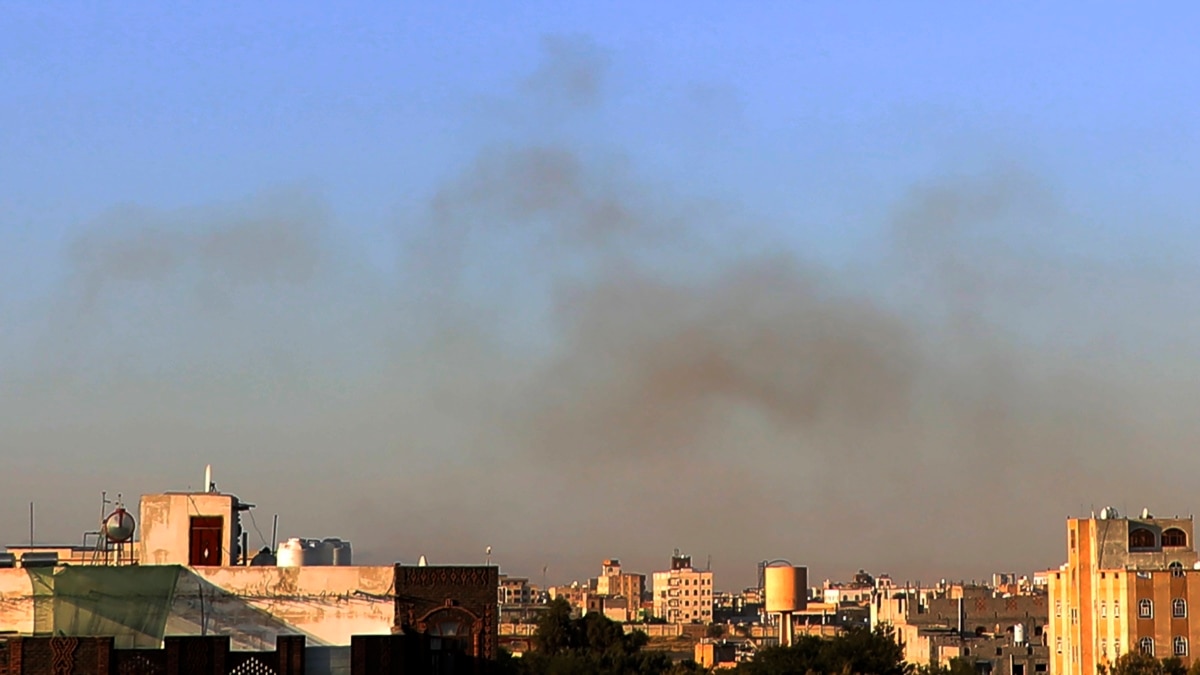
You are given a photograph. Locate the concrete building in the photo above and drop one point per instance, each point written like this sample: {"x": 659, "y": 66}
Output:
{"x": 613, "y": 583}
{"x": 514, "y": 591}
{"x": 1128, "y": 583}
{"x": 683, "y": 594}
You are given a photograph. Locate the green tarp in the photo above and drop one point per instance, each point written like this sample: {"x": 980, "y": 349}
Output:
{"x": 130, "y": 604}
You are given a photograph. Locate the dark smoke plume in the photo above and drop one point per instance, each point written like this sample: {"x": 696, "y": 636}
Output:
{"x": 579, "y": 364}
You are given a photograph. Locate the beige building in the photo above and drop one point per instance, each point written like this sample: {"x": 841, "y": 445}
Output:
{"x": 1128, "y": 583}
{"x": 683, "y": 594}
{"x": 614, "y": 583}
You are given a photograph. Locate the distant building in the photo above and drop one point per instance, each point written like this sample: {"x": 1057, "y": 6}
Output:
{"x": 683, "y": 594}
{"x": 1128, "y": 583}
{"x": 613, "y": 583}
{"x": 514, "y": 591}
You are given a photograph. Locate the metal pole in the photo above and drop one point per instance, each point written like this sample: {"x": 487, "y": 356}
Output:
{"x": 274, "y": 533}
{"x": 31, "y": 524}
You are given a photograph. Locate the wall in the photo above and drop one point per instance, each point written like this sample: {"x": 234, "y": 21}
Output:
{"x": 16, "y": 601}
{"x": 328, "y": 605}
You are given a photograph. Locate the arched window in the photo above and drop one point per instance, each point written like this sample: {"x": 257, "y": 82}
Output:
{"x": 1146, "y": 644}
{"x": 1176, "y": 567}
{"x": 1174, "y": 537}
{"x": 1179, "y": 644}
{"x": 1179, "y": 608}
{"x": 1141, "y": 538}
{"x": 1145, "y": 609}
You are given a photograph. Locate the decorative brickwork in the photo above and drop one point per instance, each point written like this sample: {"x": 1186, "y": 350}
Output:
{"x": 180, "y": 656}
{"x": 452, "y": 612}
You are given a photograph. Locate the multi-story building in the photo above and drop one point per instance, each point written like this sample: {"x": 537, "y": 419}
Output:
{"x": 514, "y": 591}
{"x": 683, "y": 594}
{"x": 1128, "y": 583}
{"x": 616, "y": 586}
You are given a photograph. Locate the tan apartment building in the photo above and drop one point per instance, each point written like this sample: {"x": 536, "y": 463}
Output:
{"x": 683, "y": 594}
{"x": 1128, "y": 583}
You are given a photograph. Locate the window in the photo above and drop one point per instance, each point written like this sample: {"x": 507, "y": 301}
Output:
{"x": 1103, "y": 648}
{"x": 1179, "y": 608}
{"x": 1141, "y": 538}
{"x": 1074, "y": 615}
{"x": 1146, "y": 645}
{"x": 1116, "y": 608}
{"x": 1176, "y": 568}
{"x": 1145, "y": 609}
{"x": 1103, "y": 610}
{"x": 1179, "y": 645}
{"x": 1058, "y": 608}
{"x": 1039, "y": 667}
{"x": 1058, "y": 645}
{"x": 1174, "y": 537}
{"x": 1116, "y": 648}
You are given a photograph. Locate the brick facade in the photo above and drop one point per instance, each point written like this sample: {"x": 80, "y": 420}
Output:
{"x": 179, "y": 656}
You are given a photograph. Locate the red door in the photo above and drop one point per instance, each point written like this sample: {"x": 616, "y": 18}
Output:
{"x": 204, "y": 541}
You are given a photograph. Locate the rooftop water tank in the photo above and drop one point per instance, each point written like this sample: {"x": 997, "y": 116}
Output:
{"x": 39, "y": 559}
{"x": 315, "y": 554}
{"x": 7, "y": 560}
{"x": 290, "y": 554}
{"x": 1019, "y": 634}
{"x": 339, "y": 552}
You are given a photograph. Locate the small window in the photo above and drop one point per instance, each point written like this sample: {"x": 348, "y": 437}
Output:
{"x": 1146, "y": 645}
{"x": 1116, "y": 608}
{"x": 1058, "y": 608}
{"x": 1179, "y": 645}
{"x": 1103, "y": 610}
{"x": 1116, "y": 648}
{"x": 1145, "y": 609}
{"x": 1173, "y": 537}
{"x": 1039, "y": 667}
{"x": 1058, "y": 645}
{"x": 1176, "y": 568}
{"x": 1179, "y": 608}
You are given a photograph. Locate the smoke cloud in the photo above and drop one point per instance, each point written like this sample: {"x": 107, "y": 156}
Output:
{"x": 578, "y": 364}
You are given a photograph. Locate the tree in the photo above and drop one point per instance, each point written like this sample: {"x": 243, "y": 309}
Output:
{"x": 715, "y": 631}
{"x": 859, "y": 651}
{"x": 1137, "y": 663}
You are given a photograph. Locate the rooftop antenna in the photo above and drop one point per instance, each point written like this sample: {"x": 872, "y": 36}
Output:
{"x": 275, "y": 531}
{"x": 30, "y": 524}
{"x": 489, "y": 556}
{"x": 209, "y": 486}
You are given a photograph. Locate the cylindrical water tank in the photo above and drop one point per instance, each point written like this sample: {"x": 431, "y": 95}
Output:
{"x": 341, "y": 554}
{"x": 787, "y": 589}
{"x": 314, "y": 553}
{"x": 290, "y": 554}
{"x": 1019, "y": 634}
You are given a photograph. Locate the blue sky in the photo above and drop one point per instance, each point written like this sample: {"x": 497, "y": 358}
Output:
{"x": 815, "y": 110}
{"x": 799, "y": 126}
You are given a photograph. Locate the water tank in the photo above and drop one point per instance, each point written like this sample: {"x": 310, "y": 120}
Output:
{"x": 39, "y": 559}
{"x": 7, "y": 561}
{"x": 339, "y": 552}
{"x": 787, "y": 589}
{"x": 119, "y": 526}
{"x": 314, "y": 553}
{"x": 290, "y": 554}
{"x": 1019, "y": 634}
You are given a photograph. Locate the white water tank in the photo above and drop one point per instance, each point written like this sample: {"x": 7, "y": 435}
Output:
{"x": 290, "y": 554}
{"x": 1019, "y": 634}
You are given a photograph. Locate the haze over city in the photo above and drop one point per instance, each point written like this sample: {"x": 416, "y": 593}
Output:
{"x": 834, "y": 284}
